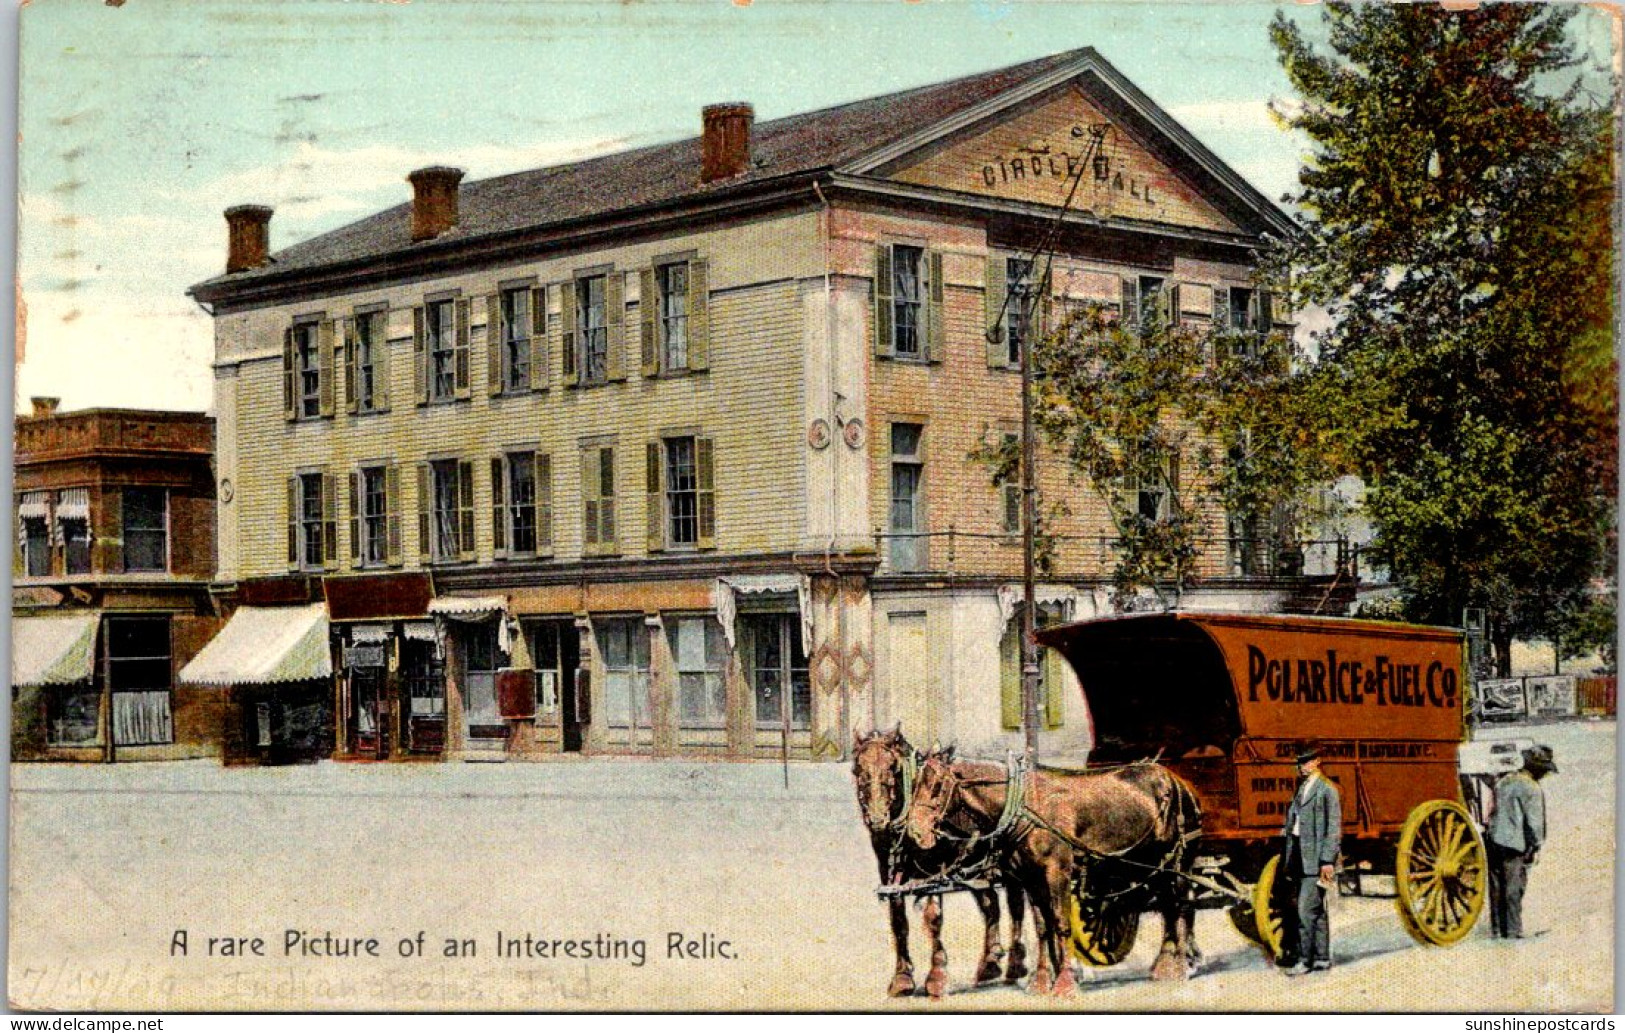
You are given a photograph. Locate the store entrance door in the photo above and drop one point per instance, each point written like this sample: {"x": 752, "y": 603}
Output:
{"x": 556, "y": 651}
{"x": 369, "y": 734}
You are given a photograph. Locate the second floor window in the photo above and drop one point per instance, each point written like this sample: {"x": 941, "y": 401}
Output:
{"x": 1010, "y": 491}
{"x": 76, "y": 546}
{"x": 440, "y": 332}
{"x": 446, "y": 521}
{"x": 682, "y": 496}
{"x": 907, "y": 497}
{"x": 36, "y": 538}
{"x": 515, "y": 336}
{"x": 310, "y": 521}
{"x": 146, "y": 529}
{"x": 673, "y": 315}
{"x": 1018, "y": 313}
{"x": 373, "y": 499}
{"x": 518, "y": 505}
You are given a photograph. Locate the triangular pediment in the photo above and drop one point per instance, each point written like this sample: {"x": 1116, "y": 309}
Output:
{"x": 1034, "y": 153}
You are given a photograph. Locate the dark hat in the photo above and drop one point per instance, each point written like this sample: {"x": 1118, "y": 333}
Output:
{"x": 1308, "y": 751}
{"x": 1539, "y": 758}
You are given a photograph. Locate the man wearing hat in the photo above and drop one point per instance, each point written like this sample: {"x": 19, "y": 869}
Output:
{"x": 1517, "y": 829}
{"x": 1314, "y": 833}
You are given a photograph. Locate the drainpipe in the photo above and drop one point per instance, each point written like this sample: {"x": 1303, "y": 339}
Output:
{"x": 831, "y": 367}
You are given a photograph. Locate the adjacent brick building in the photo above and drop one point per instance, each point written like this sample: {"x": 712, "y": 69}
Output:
{"x": 111, "y": 568}
{"x": 683, "y": 433}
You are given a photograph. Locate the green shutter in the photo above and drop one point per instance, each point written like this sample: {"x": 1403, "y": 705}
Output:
{"x": 355, "y": 518}
{"x": 499, "y": 519}
{"x": 567, "y": 328}
{"x": 289, "y": 409}
{"x": 1010, "y": 675}
{"x": 883, "y": 300}
{"x": 648, "y": 314}
{"x": 351, "y": 371}
{"x": 544, "y": 503}
{"x": 654, "y": 495}
{"x": 936, "y": 329}
{"x": 293, "y": 523}
{"x": 465, "y": 509}
{"x": 539, "y": 371}
{"x": 392, "y": 513}
{"x": 460, "y": 388}
{"x": 1054, "y": 689}
{"x": 699, "y": 315}
{"x": 380, "y": 362}
{"x": 993, "y": 299}
{"x": 589, "y": 502}
{"x": 420, "y": 358}
{"x": 325, "y": 345}
{"x": 705, "y": 496}
{"x": 330, "y": 521}
{"x": 493, "y": 344}
{"x": 424, "y": 548}
{"x": 606, "y": 500}
{"x": 615, "y": 320}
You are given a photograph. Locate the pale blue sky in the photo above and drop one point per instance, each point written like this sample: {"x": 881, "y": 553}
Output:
{"x": 140, "y": 124}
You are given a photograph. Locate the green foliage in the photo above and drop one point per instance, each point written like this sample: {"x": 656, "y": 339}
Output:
{"x": 1457, "y": 229}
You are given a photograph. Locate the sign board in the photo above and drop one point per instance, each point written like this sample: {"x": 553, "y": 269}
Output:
{"x": 366, "y": 654}
{"x": 1551, "y": 696}
{"x": 516, "y": 694}
{"x": 1501, "y": 699}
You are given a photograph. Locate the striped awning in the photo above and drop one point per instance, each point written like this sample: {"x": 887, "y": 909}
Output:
{"x": 55, "y": 649}
{"x": 265, "y": 645}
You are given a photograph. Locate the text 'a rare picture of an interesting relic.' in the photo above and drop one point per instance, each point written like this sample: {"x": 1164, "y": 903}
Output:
{"x": 967, "y": 506}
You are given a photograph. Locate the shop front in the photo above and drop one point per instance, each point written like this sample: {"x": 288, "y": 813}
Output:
{"x": 390, "y": 696}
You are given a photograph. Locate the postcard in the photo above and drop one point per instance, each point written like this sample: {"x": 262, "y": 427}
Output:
{"x": 964, "y": 506}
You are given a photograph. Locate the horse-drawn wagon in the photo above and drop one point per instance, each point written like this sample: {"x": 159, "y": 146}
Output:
{"x": 1224, "y": 700}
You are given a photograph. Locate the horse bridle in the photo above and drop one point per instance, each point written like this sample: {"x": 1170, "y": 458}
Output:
{"x": 906, "y": 763}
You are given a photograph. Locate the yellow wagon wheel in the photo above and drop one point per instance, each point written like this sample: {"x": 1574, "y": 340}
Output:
{"x": 1440, "y": 873}
{"x": 1261, "y": 919}
{"x": 1101, "y": 934}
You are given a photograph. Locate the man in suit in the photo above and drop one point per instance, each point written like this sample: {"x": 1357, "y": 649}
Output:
{"x": 1517, "y": 830}
{"x": 1314, "y": 834}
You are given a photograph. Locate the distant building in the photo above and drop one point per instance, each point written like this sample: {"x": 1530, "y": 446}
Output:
{"x": 682, "y": 434}
{"x": 111, "y": 569}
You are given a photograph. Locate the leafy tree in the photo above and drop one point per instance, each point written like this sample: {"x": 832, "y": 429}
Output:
{"x": 1457, "y": 226}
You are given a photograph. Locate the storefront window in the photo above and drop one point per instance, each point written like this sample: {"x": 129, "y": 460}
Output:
{"x": 700, "y": 651}
{"x": 70, "y": 715}
{"x": 138, "y": 671}
{"x": 771, "y": 644}
{"x": 625, "y": 645}
{"x": 480, "y": 696}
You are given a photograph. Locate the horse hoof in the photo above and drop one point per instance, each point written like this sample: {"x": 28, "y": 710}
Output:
{"x": 902, "y": 985}
{"x": 988, "y": 972}
{"x": 1169, "y": 968}
{"x": 1015, "y": 966}
{"x": 936, "y": 983}
{"x": 1041, "y": 984}
{"x": 1064, "y": 986}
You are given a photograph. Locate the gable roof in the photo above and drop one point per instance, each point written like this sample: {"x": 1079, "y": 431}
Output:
{"x": 856, "y": 138}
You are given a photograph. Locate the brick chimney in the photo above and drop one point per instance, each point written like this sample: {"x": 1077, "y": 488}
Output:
{"x": 725, "y": 144}
{"x": 248, "y": 237}
{"x": 434, "y": 200}
{"x": 44, "y": 406}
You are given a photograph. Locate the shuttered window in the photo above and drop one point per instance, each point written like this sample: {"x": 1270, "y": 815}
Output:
{"x": 447, "y": 514}
{"x": 592, "y": 329}
{"x": 673, "y": 280}
{"x": 516, "y": 324}
{"x": 368, "y": 377}
{"x": 440, "y": 332}
{"x": 307, "y": 357}
{"x": 598, "y": 500}
{"x": 371, "y": 520}
{"x": 1018, "y": 312}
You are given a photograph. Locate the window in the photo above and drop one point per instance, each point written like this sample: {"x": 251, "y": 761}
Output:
{"x": 776, "y": 667}
{"x": 308, "y": 359}
{"x": 673, "y": 280}
{"x": 1051, "y": 702}
{"x": 682, "y": 496}
{"x": 76, "y": 546}
{"x": 515, "y": 331}
{"x": 625, "y": 648}
{"x": 440, "y": 330}
{"x": 146, "y": 522}
{"x": 1010, "y": 492}
{"x": 908, "y": 297}
{"x": 480, "y": 683}
{"x": 310, "y": 521}
{"x": 70, "y": 715}
{"x": 515, "y": 516}
{"x": 450, "y": 508}
{"x": 598, "y": 500}
{"x": 1018, "y": 273}
{"x": 1152, "y": 495}
{"x": 700, "y": 652}
{"x": 592, "y": 329}
{"x": 1151, "y": 300}
{"x": 138, "y": 672}
{"x": 36, "y": 547}
{"x": 907, "y": 509}
{"x": 368, "y": 342}
{"x": 374, "y": 516}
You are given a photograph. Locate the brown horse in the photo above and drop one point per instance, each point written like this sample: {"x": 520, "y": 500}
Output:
{"x": 1139, "y": 820}
{"x": 883, "y": 765}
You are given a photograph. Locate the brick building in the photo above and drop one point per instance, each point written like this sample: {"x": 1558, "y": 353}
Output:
{"x": 683, "y": 433}
{"x": 111, "y": 567}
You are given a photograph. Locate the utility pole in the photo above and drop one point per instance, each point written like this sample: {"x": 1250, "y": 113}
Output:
{"x": 1029, "y": 515}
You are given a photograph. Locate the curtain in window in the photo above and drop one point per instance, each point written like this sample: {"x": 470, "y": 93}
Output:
{"x": 142, "y": 718}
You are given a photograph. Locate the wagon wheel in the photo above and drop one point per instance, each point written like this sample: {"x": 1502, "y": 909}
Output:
{"x": 1440, "y": 872}
{"x": 1101, "y": 933}
{"x": 1261, "y": 919}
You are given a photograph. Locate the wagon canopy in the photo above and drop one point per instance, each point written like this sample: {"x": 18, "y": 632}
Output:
{"x": 1182, "y": 682}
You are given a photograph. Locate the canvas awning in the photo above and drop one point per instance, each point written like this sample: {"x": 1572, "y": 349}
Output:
{"x": 726, "y": 588}
{"x": 485, "y": 606}
{"x": 54, "y": 650}
{"x": 264, "y": 645}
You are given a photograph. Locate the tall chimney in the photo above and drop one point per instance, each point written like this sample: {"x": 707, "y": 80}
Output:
{"x": 434, "y": 200}
{"x": 248, "y": 237}
{"x": 725, "y": 144}
{"x": 44, "y": 406}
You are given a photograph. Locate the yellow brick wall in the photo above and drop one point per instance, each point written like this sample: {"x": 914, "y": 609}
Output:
{"x": 749, "y": 402}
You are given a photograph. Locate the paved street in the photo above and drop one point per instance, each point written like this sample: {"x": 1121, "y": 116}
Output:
{"x": 771, "y": 890}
